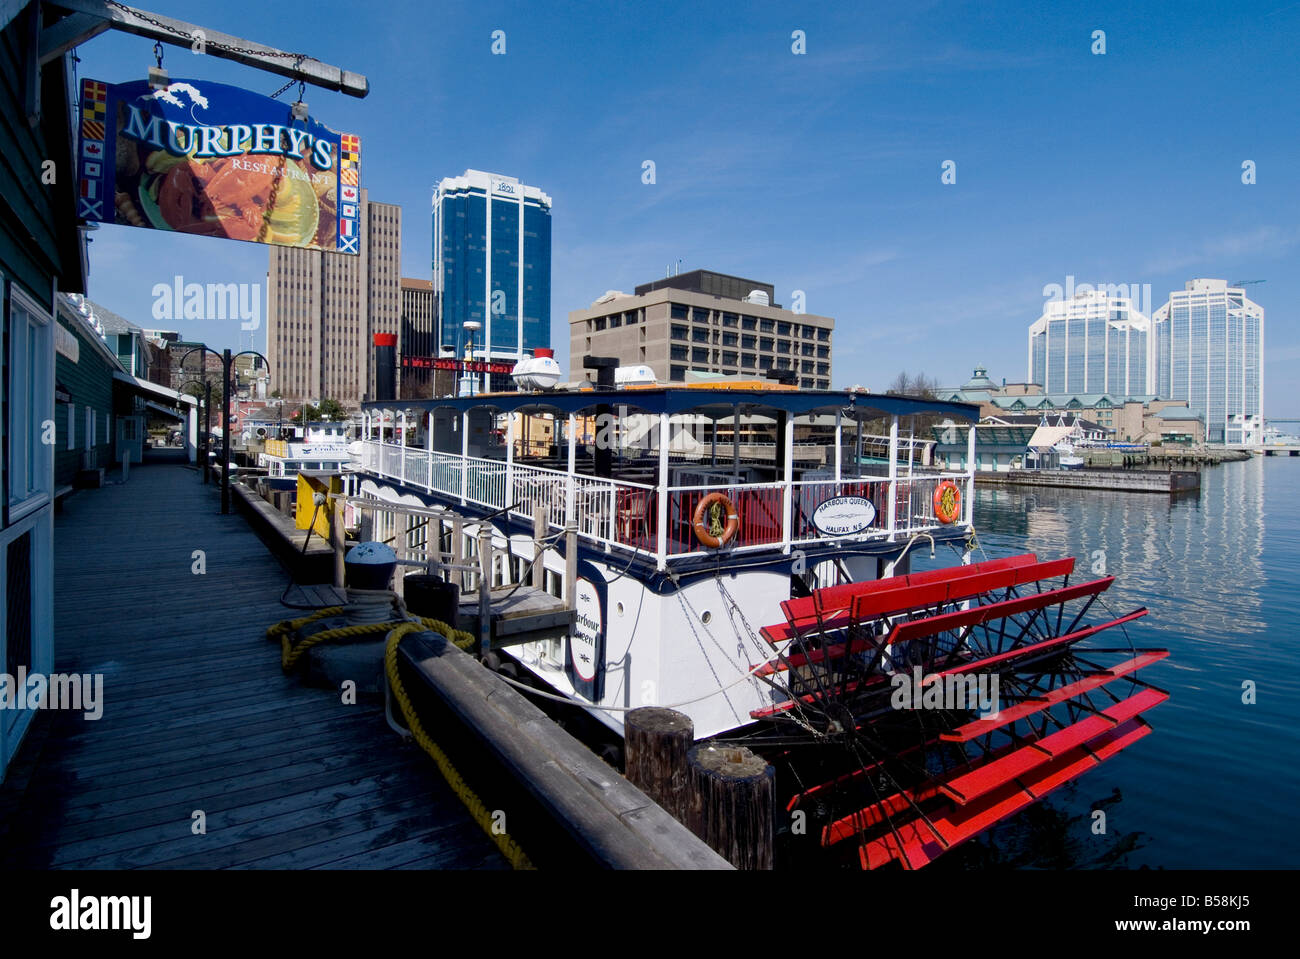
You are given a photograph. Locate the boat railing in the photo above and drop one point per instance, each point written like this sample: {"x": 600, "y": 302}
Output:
{"x": 623, "y": 515}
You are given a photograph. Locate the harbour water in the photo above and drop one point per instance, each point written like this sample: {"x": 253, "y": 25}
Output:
{"x": 1216, "y": 785}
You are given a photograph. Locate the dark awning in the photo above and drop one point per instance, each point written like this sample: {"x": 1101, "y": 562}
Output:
{"x": 715, "y": 403}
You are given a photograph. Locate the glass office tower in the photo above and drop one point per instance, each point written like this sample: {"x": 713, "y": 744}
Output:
{"x": 492, "y": 264}
{"x": 1209, "y": 344}
{"x": 1091, "y": 343}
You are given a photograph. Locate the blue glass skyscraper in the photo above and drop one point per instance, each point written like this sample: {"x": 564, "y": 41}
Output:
{"x": 492, "y": 264}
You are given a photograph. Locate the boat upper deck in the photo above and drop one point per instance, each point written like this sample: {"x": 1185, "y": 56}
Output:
{"x": 629, "y": 468}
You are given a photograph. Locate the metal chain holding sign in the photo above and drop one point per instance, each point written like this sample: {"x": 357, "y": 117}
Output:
{"x": 249, "y": 51}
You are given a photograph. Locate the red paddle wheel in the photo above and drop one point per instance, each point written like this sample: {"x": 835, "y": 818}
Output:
{"x": 940, "y": 703}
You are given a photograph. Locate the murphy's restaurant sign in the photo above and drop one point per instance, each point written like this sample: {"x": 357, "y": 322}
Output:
{"x": 215, "y": 160}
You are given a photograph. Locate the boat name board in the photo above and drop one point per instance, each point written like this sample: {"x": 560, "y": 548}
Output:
{"x": 844, "y": 515}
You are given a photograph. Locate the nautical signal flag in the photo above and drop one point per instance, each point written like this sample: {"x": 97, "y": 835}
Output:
{"x": 351, "y": 194}
{"x": 347, "y": 227}
{"x": 350, "y": 143}
{"x": 93, "y": 149}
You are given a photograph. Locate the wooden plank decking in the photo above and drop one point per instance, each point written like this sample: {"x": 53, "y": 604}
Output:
{"x": 198, "y": 716}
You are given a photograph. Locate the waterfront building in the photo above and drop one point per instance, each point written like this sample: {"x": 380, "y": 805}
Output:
{"x": 1140, "y": 418}
{"x": 704, "y": 322}
{"x": 323, "y": 309}
{"x": 1209, "y": 347}
{"x": 492, "y": 265}
{"x": 1093, "y": 342}
{"x": 418, "y": 350}
{"x": 41, "y": 250}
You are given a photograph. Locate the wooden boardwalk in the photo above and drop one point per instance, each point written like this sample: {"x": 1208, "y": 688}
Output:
{"x": 198, "y": 716}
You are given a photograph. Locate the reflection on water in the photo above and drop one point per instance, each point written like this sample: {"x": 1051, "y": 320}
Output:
{"x": 1216, "y": 784}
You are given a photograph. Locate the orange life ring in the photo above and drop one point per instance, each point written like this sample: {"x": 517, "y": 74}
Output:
{"x": 947, "y": 501}
{"x": 714, "y": 507}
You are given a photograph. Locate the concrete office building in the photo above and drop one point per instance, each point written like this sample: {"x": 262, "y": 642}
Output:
{"x": 1209, "y": 344}
{"x": 1091, "y": 343}
{"x": 323, "y": 309}
{"x": 492, "y": 264}
{"x": 706, "y": 322}
{"x": 418, "y": 351}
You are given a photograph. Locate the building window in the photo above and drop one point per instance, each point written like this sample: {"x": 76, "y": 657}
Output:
{"x": 679, "y": 352}
{"x": 729, "y": 319}
{"x": 597, "y": 324}
{"x": 679, "y": 332}
{"x": 783, "y": 329}
{"x": 729, "y": 358}
{"x": 679, "y": 311}
{"x": 677, "y": 373}
{"x": 749, "y": 342}
{"x": 824, "y": 335}
{"x": 700, "y": 335}
{"x": 748, "y": 359}
{"x": 823, "y": 352}
{"x": 766, "y": 343}
{"x": 730, "y": 339}
{"x": 72, "y": 425}
{"x": 90, "y": 429}
{"x": 806, "y": 349}
{"x": 748, "y": 322}
{"x": 766, "y": 326}
{"x": 699, "y": 355}
{"x": 765, "y": 362}
{"x": 31, "y": 402}
{"x": 616, "y": 321}
{"x": 700, "y": 316}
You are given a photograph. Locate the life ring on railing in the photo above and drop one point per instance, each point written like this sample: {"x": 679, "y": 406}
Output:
{"x": 708, "y": 520}
{"x": 947, "y": 501}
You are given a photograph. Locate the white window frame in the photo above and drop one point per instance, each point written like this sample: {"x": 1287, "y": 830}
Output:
{"x": 31, "y": 331}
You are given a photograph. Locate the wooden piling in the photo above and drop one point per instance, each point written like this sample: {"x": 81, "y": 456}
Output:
{"x": 731, "y": 803}
{"x": 338, "y": 539}
{"x": 657, "y": 741}
{"x": 570, "y": 564}
{"x": 539, "y": 533}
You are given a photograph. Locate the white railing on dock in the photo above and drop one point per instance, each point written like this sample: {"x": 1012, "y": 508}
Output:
{"x": 618, "y": 514}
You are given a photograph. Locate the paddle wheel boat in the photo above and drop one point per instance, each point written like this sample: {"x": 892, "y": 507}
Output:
{"x": 738, "y": 559}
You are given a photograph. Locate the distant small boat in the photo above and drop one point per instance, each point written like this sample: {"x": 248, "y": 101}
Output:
{"x": 1067, "y": 458}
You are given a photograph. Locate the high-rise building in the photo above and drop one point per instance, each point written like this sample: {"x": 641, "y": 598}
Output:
{"x": 492, "y": 264}
{"x": 1209, "y": 346}
{"x": 419, "y": 352}
{"x": 1092, "y": 342}
{"x": 323, "y": 309}
{"x": 706, "y": 322}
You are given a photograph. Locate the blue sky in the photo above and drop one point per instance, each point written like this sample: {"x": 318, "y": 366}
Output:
{"x": 818, "y": 172}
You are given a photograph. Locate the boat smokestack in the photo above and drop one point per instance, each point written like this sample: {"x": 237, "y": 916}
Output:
{"x": 385, "y": 366}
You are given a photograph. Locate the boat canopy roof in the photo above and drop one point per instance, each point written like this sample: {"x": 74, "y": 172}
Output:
{"x": 714, "y": 403}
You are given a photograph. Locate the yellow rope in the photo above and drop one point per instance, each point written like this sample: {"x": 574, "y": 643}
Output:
{"x": 480, "y": 814}
{"x": 291, "y": 652}
{"x": 293, "y": 625}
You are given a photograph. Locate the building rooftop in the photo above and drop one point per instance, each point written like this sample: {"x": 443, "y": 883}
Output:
{"x": 707, "y": 281}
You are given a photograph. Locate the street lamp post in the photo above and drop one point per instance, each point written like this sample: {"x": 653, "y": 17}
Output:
{"x": 226, "y": 364}
{"x": 471, "y": 327}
